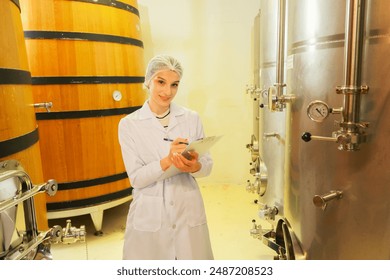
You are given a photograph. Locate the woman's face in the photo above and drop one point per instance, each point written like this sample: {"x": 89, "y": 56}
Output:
{"x": 163, "y": 88}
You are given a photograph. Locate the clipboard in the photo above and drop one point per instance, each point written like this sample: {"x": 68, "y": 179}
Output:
{"x": 200, "y": 146}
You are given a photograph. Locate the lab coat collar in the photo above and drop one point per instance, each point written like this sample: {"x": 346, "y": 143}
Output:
{"x": 176, "y": 111}
{"x": 145, "y": 112}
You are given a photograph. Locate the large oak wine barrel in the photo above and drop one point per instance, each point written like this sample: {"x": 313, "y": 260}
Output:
{"x": 19, "y": 137}
{"x": 86, "y": 57}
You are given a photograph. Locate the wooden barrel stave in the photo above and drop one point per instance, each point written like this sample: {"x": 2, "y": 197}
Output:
{"x": 18, "y": 127}
{"x": 79, "y": 56}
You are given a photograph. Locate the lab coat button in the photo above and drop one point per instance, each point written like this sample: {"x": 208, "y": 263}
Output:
{"x": 173, "y": 226}
{"x": 171, "y": 203}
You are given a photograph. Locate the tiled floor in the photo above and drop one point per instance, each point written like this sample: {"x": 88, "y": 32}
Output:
{"x": 229, "y": 208}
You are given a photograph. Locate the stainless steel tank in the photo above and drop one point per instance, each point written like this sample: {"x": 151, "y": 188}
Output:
{"x": 271, "y": 122}
{"x": 337, "y": 187}
{"x": 268, "y": 139}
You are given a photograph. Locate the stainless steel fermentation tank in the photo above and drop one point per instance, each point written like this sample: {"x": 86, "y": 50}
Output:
{"x": 268, "y": 140}
{"x": 336, "y": 172}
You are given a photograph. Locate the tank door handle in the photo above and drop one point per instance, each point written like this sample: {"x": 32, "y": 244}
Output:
{"x": 307, "y": 137}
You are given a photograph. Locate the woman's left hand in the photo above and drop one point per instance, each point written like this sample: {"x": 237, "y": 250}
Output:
{"x": 187, "y": 165}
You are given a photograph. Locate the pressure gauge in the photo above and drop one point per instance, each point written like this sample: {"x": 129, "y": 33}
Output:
{"x": 318, "y": 110}
{"x": 117, "y": 95}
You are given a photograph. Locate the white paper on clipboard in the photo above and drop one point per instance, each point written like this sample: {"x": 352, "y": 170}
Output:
{"x": 200, "y": 146}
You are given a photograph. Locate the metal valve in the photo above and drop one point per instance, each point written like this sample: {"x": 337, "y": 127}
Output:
{"x": 348, "y": 141}
{"x": 51, "y": 187}
{"x": 256, "y": 230}
{"x": 268, "y": 213}
{"x": 254, "y": 91}
{"x": 322, "y": 200}
{"x": 276, "y": 100}
{"x": 46, "y": 105}
{"x": 72, "y": 234}
{"x": 351, "y": 133}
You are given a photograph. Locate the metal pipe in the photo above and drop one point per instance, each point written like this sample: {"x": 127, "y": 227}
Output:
{"x": 280, "y": 48}
{"x": 322, "y": 200}
{"x": 32, "y": 191}
{"x": 353, "y": 53}
{"x": 29, "y": 247}
{"x": 25, "y": 194}
{"x": 5, "y": 204}
{"x": 29, "y": 210}
{"x": 26, "y": 197}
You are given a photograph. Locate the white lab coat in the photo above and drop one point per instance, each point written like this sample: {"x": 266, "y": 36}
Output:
{"x": 166, "y": 219}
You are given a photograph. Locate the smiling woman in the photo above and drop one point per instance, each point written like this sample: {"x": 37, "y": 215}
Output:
{"x": 166, "y": 218}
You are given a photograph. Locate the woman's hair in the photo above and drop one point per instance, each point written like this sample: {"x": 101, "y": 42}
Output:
{"x": 161, "y": 63}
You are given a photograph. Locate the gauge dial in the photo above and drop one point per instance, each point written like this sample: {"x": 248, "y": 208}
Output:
{"x": 318, "y": 110}
{"x": 117, "y": 95}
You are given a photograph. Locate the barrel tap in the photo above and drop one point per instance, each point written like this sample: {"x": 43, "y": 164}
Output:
{"x": 46, "y": 105}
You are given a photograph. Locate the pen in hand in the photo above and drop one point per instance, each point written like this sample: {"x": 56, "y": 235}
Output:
{"x": 171, "y": 140}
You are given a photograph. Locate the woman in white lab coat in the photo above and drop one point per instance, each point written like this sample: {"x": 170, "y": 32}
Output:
{"x": 166, "y": 219}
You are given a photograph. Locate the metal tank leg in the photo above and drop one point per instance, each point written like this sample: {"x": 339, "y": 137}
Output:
{"x": 97, "y": 219}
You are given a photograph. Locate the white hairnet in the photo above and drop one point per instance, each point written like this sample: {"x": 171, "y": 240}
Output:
{"x": 161, "y": 63}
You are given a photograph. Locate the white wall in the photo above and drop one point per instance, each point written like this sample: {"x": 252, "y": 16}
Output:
{"x": 213, "y": 41}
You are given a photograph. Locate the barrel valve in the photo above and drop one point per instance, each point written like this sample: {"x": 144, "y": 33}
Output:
{"x": 323, "y": 200}
{"x": 46, "y": 105}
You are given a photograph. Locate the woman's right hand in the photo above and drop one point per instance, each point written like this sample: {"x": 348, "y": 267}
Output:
{"x": 177, "y": 147}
